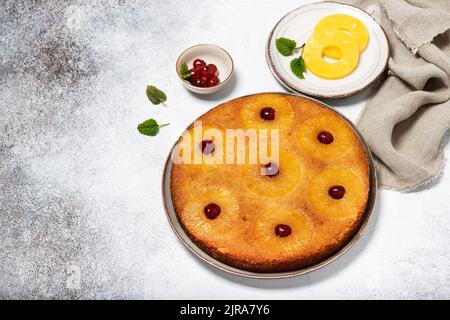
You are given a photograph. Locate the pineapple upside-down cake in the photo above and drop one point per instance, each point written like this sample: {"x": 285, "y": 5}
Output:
{"x": 285, "y": 210}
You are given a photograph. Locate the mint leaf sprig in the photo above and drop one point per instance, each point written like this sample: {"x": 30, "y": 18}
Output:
{"x": 155, "y": 95}
{"x": 298, "y": 67}
{"x": 184, "y": 71}
{"x": 150, "y": 127}
{"x": 286, "y": 48}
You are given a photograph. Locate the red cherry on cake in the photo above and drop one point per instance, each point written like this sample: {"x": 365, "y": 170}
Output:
{"x": 267, "y": 113}
{"x": 282, "y": 230}
{"x": 207, "y": 146}
{"x": 198, "y": 63}
{"x": 271, "y": 169}
{"x": 325, "y": 137}
{"x": 336, "y": 192}
{"x": 211, "y": 211}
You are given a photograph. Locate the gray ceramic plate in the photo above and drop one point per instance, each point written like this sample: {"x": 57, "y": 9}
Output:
{"x": 179, "y": 231}
{"x": 299, "y": 25}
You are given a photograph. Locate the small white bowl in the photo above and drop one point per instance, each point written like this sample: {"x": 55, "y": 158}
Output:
{"x": 210, "y": 53}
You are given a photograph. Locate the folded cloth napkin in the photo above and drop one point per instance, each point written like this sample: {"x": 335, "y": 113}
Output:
{"x": 406, "y": 117}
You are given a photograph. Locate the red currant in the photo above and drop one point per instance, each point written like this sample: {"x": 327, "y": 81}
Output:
{"x": 198, "y": 63}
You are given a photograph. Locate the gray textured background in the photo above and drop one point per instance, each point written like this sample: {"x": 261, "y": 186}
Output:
{"x": 80, "y": 205}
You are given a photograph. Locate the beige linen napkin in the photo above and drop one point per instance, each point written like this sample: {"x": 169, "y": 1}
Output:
{"x": 405, "y": 119}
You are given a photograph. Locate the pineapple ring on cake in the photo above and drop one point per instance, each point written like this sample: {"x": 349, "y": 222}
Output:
{"x": 346, "y": 23}
{"x": 273, "y": 177}
{"x": 213, "y": 212}
{"x": 281, "y": 231}
{"x": 267, "y": 111}
{"x": 313, "y": 54}
{"x": 325, "y": 136}
{"x": 203, "y": 146}
{"x": 338, "y": 193}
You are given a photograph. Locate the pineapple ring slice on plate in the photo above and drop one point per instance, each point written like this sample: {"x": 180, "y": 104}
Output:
{"x": 307, "y": 136}
{"x": 346, "y": 207}
{"x": 332, "y": 52}
{"x": 222, "y": 227}
{"x": 313, "y": 54}
{"x": 300, "y": 227}
{"x": 283, "y": 113}
{"x": 346, "y": 23}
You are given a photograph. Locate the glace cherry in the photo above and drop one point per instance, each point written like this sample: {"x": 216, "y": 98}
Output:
{"x": 207, "y": 146}
{"x": 213, "y": 69}
{"x": 336, "y": 192}
{"x": 195, "y": 74}
{"x": 271, "y": 169}
{"x": 267, "y": 113}
{"x": 325, "y": 137}
{"x": 206, "y": 72}
{"x": 211, "y": 211}
{"x": 211, "y": 82}
{"x": 199, "y": 82}
{"x": 203, "y": 75}
{"x": 198, "y": 63}
{"x": 282, "y": 230}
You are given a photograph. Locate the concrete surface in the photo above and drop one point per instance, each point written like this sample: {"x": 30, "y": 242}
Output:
{"x": 80, "y": 205}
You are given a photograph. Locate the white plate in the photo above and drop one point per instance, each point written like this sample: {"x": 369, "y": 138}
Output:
{"x": 299, "y": 25}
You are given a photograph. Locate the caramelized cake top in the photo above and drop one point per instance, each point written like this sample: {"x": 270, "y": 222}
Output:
{"x": 270, "y": 204}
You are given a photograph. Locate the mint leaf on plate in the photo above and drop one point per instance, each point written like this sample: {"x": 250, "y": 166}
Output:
{"x": 184, "y": 71}
{"x": 298, "y": 67}
{"x": 155, "y": 95}
{"x": 150, "y": 127}
{"x": 285, "y": 46}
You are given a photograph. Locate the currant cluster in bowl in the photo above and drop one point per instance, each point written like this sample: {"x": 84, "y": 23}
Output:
{"x": 203, "y": 75}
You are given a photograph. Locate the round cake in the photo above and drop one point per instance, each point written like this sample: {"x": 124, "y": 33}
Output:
{"x": 270, "y": 182}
